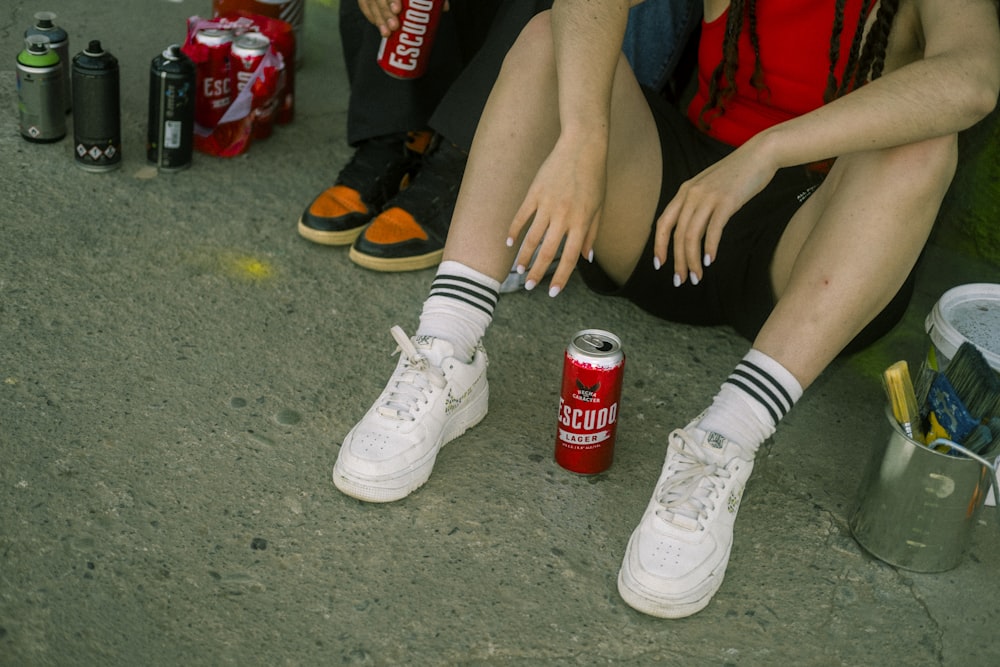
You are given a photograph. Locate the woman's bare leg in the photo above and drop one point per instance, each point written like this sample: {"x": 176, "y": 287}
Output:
{"x": 518, "y": 129}
{"x": 849, "y": 248}
{"x": 842, "y": 258}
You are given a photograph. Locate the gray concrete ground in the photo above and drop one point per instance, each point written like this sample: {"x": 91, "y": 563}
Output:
{"x": 177, "y": 368}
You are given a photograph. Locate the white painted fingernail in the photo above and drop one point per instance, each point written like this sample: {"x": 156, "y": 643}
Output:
{"x": 554, "y": 290}
{"x": 520, "y": 269}
{"x": 529, "y": 284}
{"x": 677, "y": 280}
{"x": 656, "y": 263}
{"x": 510, "y": 242}
{"x": 694, "y": 279}
{"x": 707, "y": 261}
{"x": 590, "y": 256}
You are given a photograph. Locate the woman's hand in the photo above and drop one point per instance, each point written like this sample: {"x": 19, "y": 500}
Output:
{"x": 564, "y": 201}
{"x": 703, "y": 206}
{"x": 384, "y": 14}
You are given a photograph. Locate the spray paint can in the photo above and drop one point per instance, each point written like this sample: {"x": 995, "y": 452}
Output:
{"x": 58, "y": 42}
{"x": 405, "y": 53}
{"x": 41, "y": 111}
{"x": 97, "y": 103}
{"x": 170, "y": 140}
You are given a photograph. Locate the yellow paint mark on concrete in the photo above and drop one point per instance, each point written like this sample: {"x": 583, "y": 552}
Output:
{"x": 247, "y": 267}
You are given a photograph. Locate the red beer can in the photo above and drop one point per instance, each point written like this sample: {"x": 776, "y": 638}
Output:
{"x": 247, "y": 53}
{"x": 214, "y": 85}
{"x": 291, "y": 11}
{"x": 588, "y": 406}
{"x": 246, "y": 57}
{"x": 405, "y": 53}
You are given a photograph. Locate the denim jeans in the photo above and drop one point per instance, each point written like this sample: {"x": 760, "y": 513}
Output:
{"x": 656, "y": 35}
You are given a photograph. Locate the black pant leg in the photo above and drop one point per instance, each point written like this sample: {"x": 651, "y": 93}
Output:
{"x": 458, "y": 114}
{"x": 380, "y": 104}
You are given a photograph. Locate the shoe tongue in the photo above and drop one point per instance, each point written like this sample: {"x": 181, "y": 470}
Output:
{"x": 436, "y": 350}
{"x": 719, "y": 448}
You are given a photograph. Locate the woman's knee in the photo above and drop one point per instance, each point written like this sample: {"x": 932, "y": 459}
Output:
{"x": 532, "y": 47}
{"x": 922, "y": 170}
{"x": 936, "y": 158}
{"x": 925, "y": 167}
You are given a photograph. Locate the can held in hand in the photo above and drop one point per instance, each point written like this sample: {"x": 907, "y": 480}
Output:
{"x": 45, "y": 24}
{"x": 215, "y": 92}
{"x": 593, "y": 368}
{"x": 405, "y": 53}
{"x": 170, "y": 140}
{"x": 97, "y": 130}
{"x": 41, "y": 111}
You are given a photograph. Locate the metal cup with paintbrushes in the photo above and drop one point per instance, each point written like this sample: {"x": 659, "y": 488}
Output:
{"x": 926, "y": 485}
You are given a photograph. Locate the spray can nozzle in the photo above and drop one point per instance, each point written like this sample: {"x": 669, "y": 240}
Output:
{"x": 37, "y": 44}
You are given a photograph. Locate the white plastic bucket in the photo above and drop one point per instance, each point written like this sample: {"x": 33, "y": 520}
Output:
{"x": 966, "y": 313}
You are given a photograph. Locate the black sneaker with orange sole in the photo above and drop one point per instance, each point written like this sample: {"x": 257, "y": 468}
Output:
{"x": 410, "y": 232}
{"x": 376, "y": 172}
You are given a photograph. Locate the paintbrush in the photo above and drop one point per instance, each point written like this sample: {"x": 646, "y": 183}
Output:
{"x": 922, "y": 383}
{"x": 899, "y": 389}
{"x": 962, "y": 401}
{"x": 980, "y": 438}
{"x": 947, "y": 416}
{"x": 974, "y": 382}
{"x": 992, "y": 449}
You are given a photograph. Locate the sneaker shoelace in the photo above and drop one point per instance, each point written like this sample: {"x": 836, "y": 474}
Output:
{"x": 410, "y": 386}
{"x": 693, "y": 486}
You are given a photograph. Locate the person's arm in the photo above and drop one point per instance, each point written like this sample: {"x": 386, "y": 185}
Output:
{"x": 566, "y": 195}
{"x": 952, "y": 85}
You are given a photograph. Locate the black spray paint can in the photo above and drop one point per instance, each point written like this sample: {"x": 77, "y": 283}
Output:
{"x": 40, "y": 107}
{"x": 97, "y": 132}
{"x": 170, "y": 141}
{"x": 45, "y": 24}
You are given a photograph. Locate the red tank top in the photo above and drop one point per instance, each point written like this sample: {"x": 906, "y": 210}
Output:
{"x": 794, "y": 38}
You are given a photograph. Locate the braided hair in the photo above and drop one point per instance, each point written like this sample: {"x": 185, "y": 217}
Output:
{"x": 865, "y": 60}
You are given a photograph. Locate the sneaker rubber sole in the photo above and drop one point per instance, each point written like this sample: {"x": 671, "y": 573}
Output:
{"x": 387, "y": 489}
{"x": 338, "y": 238}
{"x": 392, "y": 264}
{"x": 642, "y": 599}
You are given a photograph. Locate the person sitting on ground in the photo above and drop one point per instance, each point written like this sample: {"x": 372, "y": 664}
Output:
{"x": 415, "y": 131}
{"x": 729, "y": 213}
{"x": 419, "y": 131}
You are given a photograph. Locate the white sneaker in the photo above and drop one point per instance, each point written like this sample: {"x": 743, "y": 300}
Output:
{"x": 431, "y": 399}
{"x": 677, "y": 555}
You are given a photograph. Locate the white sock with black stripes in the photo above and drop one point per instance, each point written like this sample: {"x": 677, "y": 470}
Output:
{"x": 752, "y": 400}
{"x": 459, "y": 307}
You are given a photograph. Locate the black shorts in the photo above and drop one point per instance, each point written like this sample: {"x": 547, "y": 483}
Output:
{"x": 736, "y": 289}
